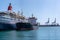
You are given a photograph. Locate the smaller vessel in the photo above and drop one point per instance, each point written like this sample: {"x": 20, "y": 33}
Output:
{"x": 22, "y": 24}
{"x": 27, "y": 24}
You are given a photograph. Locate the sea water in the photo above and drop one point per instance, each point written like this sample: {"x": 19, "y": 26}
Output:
{"x": 43, "y": 33}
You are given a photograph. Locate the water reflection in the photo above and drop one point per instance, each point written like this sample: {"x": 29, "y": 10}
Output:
{"x": 7, "y": 35}
{"x": 43, "y": 33}
{"x": 18, "y": 35}
{"x": 48, "y": 33}
{"x": 26, "y": 35}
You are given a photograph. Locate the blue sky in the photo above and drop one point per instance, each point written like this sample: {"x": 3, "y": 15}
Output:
{"x": 42, "y": 9}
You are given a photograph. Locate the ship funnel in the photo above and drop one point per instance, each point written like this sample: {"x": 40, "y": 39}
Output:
{"x": 9, "y": 7}
{"x": 32, "y": 15}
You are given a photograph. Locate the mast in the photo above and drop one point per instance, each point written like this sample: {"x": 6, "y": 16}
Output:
{"x": 32, "y": 14}
{"x": 21, "y": 12}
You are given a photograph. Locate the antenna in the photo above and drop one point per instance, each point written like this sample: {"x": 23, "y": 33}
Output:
{"x": 55, "y": 20}
{"x": 18, "y": 12}
{"x": 21, "y": 12}
{"x": 32, "y": 14}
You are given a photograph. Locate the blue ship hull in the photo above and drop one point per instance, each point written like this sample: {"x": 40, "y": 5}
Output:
{"x": 6, "y": 26}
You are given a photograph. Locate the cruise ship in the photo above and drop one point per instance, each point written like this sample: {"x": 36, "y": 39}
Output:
{"x": 7, "y": 22}
{"x": 8, "y": 19}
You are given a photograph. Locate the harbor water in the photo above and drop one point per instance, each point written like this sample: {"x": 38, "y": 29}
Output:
{"x": 43, "y": 33}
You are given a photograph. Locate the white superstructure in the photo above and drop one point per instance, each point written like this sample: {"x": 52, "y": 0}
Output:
{"x": 32, "y": 20}
{"x": 6, "y": 18}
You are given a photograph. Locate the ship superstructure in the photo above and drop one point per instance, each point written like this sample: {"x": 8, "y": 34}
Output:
{"x": 32, "y": 20}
